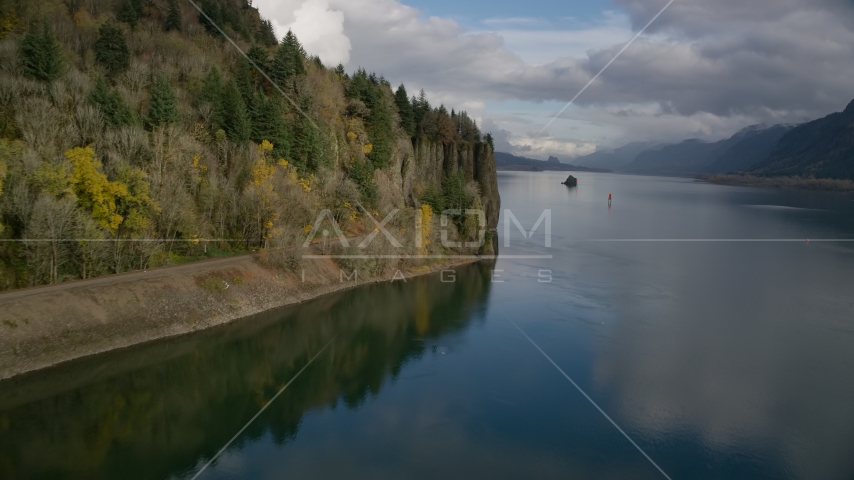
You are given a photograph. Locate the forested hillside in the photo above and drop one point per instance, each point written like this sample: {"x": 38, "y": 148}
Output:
{"x": 821, "y": 149}
{"x": 753, "y": 149}
{"x": 134, "y": 135}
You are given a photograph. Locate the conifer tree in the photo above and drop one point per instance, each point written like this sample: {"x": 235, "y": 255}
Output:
{"x": 41, "y": 55}
{"x": 289, "y": 61}
{"x": 339, "y": 69}
{"x": 266, "y": 35}
{"x": 360, "y": 87}
{"x": 115, "y": 111}
{"x": 420, "y": 108}
{"x": 212, "y": 94}
{"x": 404, "y": 109}
{"x": 295, "y": 52}
{"x": 174, "y": 20}
{"x": 235, "y": 121}
{"x": 100, "y": 95}
{"x": 268, "y": 123}
{"x": 380, "y": 130}
{"x": 371, "y": 91}
{"x": 123, "y": 114}
{"x": 162, "y": 109}
{"x": 211, "y": 86}
{"x": 212, "y": 11}
{"x": 306, "y": 149}
{"x": 111, "y": 49}
{"x": 242, "y": 76}
{"x": 129, "y": 12}
{"x": 259, "y": 56}
{"x": 489, "y": 141}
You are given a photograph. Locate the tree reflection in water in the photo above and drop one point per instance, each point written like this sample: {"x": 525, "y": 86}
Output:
{"x": 159, "y": 410}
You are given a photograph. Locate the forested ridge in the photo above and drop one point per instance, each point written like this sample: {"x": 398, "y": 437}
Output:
{"x": 132, "y": 133}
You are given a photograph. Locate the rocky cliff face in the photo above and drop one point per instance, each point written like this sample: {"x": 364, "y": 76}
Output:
{"x": 432, "y": 161}
{"x": 420, "y": 164}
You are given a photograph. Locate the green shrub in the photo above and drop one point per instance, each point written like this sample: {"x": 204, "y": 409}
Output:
{"x": 362, "y": 174}
{"x": 213, "y": 285}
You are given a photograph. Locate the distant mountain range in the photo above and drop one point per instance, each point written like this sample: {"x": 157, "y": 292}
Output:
{"x": 746, "y": 148}
{"x": 615, "y": 159}
{"x": 821, "y": 149}
{"x": 506, "y": 161}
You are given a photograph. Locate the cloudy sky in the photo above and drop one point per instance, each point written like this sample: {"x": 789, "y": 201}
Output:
{"x": 704, "y": 69}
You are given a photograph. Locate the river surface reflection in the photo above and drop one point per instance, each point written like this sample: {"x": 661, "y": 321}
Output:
{"x": 721, "y": 360}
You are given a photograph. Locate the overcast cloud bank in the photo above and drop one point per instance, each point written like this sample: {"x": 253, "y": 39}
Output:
{"x": 703, "y": 69}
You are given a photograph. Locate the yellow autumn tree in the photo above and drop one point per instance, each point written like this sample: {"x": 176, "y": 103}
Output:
{"x": 124, "y": 204}
{"x": 133, "y": 201}
{"x": 262, "y": 186}
{"x": 94, "y": 191}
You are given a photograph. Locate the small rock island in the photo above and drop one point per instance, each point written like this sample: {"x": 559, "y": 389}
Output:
{"x": 571, "y": 181}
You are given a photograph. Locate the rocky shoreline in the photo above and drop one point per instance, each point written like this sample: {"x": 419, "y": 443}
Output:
{"x": 826, "y": 184}
{"x": 45, "y": 326}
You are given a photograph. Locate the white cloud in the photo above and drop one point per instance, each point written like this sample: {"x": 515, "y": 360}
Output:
{"x": 703, "y": 69}
{"x": 319, "y": 28}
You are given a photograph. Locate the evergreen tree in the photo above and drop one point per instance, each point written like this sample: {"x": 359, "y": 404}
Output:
{"x": 360, "y": 87}
{"x": 260, "y": 57}
{"x": 235, "y": 122}
{"x": 340, "y": 71}
{"x": 211, "y": 87}
{"x": 100, "y": 96}
{"x": 129, "y": 12}
{"x": 115, "y": 111}
{"x": 111, "y": 49}
{"x": 466, "y": 128}
{"x": 268, "y": 123}
{"x": 174, "y": 21}
{"x": 489, "y": 140}
{"x": 163, "y": 108}
{"x": 306, "y": 149}
{"x": 289, "y": 61}
{"x": 123, "y": 115}
{"x": 420, "y": 108}
{"x": 380, "y": 126}
{"x": 266, "y": 35}
{"x": 380, "y": 130}
{"x": 242, "y": 76}
{"x": 41, "y": 55}
{"x": 454, "y": 197}
{"x": 404, "y": 109}
{"x": 212, "y": 11}
{"x": 295, "y": 52}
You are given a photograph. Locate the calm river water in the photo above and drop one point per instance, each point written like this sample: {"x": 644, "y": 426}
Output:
{"x": 719, "y": 359}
